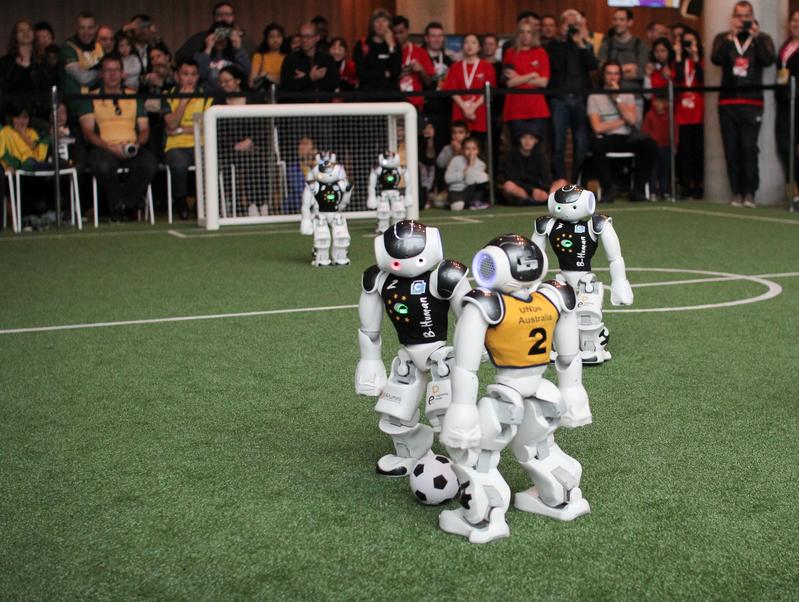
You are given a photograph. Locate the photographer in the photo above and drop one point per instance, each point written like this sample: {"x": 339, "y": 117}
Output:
{"x": 223, "y": 48}
{"x": 690, "y": 115}
{"x": 117, "y": 131}
{"x": 742, "y": 53}
{"x": 571, "y": 61}
{"x": 223, "y": 12}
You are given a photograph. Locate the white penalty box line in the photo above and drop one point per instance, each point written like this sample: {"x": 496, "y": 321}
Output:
{"x": 773, "y": 291}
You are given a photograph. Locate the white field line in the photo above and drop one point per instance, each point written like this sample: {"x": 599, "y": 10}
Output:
{"x": 773, "y": 291}
{"x": 176, "y": 233}
{"x": 748, "y": 215}
{"x": 466, "y": 220}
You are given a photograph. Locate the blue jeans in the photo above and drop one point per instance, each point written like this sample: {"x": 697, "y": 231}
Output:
{"x": 568, "y": 112}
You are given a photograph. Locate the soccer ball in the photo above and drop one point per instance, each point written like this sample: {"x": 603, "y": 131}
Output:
{"x": 433, "y": 481}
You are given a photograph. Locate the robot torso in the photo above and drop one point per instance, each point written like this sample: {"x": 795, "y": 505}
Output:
{"x": 328, "y": 196}
{"x": 418, "y": 316}
{"x": 389, "y": 179}
{"x": 573, "y": 244}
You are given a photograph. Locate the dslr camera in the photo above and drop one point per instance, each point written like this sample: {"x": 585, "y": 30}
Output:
{"x": 572, "y": 30}
{"x": 130, "y": 150}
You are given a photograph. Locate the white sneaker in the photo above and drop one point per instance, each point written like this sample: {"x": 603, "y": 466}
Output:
{"x": 252, "y": 210}
{"x": 736, "y": 201}
{"x": 749, "y": 202}
{"x": 264, "y": 210}
{"x": 457, "y": 205}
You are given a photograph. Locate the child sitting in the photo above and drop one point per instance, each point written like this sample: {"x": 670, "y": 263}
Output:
{"x": 467, "y": 179}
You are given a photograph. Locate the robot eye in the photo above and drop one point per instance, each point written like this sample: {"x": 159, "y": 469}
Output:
{"x": 574, "y": 207}
{"x": 557, "y": 207}
{"x": 420, "y": 261}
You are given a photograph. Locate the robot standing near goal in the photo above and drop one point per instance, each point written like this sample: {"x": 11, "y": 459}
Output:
{"x": 417, "y": 287}
{"x": 517, "y": 318}
{"x": 327, "y": 192}
{"x": 384, "y": 191}
{"x": 574, "y": 232}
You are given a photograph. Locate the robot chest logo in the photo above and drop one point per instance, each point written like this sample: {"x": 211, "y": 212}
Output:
{"x": 404, "y": 311}
{"x": 568, "y": 245}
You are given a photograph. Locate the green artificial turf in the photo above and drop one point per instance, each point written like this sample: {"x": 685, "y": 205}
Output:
{"x": 231, "y": 459}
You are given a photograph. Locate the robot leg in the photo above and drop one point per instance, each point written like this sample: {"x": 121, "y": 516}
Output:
{"x": 439, "y": 389}
{"x": 556, "y": 476}
{"x": 341, "y": 240}
{"x": 398, "y": 209}
{"x": 383, "y": 213}
{"x": 593, "y": 334}
{"x": 485, "y": 496}
{"x": 398, "y": 407}
{"x": 321, "y": 242}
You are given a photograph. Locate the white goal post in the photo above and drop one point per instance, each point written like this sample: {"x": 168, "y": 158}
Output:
{"x": 251, "y": 158}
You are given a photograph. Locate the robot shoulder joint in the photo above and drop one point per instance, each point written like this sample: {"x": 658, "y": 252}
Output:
{"x": 599, "y": 221}
{"x": 542, "y": 224}
{"x": 559, "y": 293}
{"x": 370, "y": 279}
{"x": 488, "y": 302}
{"x": 449, "y": 274}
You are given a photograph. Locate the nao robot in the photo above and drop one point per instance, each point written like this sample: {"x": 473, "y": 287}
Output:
{"x": 384, "y": 191}
{"x": 327, "y": 192}
{"x": 517, "y": 317}
{"x": 574, "y": 232}
{"x": 416, "y": 287}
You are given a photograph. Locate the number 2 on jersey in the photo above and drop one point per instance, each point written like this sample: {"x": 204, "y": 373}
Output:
{"x": 539, "y": 336}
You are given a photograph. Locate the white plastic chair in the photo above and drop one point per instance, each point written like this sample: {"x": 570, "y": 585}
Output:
{"x": 148, "y": 205}
{"x": 74, "y": 192}
{"x": 631, "y": 157}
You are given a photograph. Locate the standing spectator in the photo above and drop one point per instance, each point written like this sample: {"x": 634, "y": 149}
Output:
{"x": 526, "y": 66}
{"x": 20, "y": 74}
{"x": 378, "y": 61}
{"x": 622, "y": 46}
{"x": 594, "y": 38}
{"x": 80, "y": 55}
{"x": 742, "y": 53}
{"x": 788, "y": 67}
{"x": 179, "y": 120}
{"x": 613, "y": 118}
{"x": 467, "y": 179}
{"x": 223, "y": 48}
{"x": 117, "y": 132}
{"x": 438, "y": 110}
{"x": 131, "y": 63}
{"x": 43, "y": 38}
{"x": 571, "y": 62}
{"x": 309, "y": 69}
{"x": 655, "y": 31}
{"x": 526, "y": 174}
{"x": 660, "y": 70}
{"x": 526, "y": 16}
{"x": 323, "y": 30}
{"x": 348, "y": 77}
{"x": 268, "y": 58}
{"x": 690, "y": 115}
{"x": 293, "y": 43}
{"x": 143, "y": 35}
{"x": 549, "y": 30}
{"x": 471, "y": 73}
{"x": 106, "y": 39}
{"x": 224, "y": 15}
{"x": 656, "y": 126}
{"x": 417, "y": 68}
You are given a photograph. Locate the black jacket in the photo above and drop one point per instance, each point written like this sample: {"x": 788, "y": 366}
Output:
{"x": 378, "y": 68}
{"x": 760, "y": 54}
{"x": 299, "y": 61}
{"x": 570, "y": 66}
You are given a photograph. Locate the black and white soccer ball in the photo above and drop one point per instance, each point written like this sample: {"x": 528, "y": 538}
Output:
{"x": 433, "y": 481}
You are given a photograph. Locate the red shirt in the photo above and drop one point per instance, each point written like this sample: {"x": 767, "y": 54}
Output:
{"x": 411, "y": 82}
{"x": 658, "y": 79}
{"x": 657, "y": 126}
{"x": 471, "y": 77}
{"x": 524, "y": 62}
{"x": 690, "y": 105}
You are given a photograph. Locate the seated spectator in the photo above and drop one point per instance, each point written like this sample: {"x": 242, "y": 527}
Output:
{"x": 67, "y": 138}
{"x": 297, "y": 174}
{"x": 179, "y": 120}
{"x": 526, "y": 66}
{"x": 22, "y": 149}
{"x": 526, "y": 174}
{"x": 467, "y": 179}
{"x": 143, "y": 36}
{"x": 131, "y": 63}
{"x": 43, "y": 38}
{"x": 427, "y": 165}
{"x": 20, "y": 73}
{"x": 613, "y": 118}
{"x": 348, "y": 77}
{"x": 117, "y": 131}
{"x": 80, "y": 55}
{"x": 224, "y": 15}
{"x": 656, "y": 126}
{"x": 378, "y": 61}
{"x": 158, "y": 79}
{"x": 309, "y": 69}
{"x": 660, "y": 70}
{"x": 268, "y": 58}
{"x": 106, "y": 39}
{"x": 459, "y": 132}
{"x": 471, "y": 73}
{"x": 223, "y": 48}
{"x": 417, "y": 68}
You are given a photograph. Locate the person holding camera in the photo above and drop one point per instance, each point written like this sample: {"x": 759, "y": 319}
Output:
{"x": 223, "y": 48}
{"x": 743, "y": 53}
{"x": 571, "y": 61}
{"x": 117, "y": 130}
{"x": 690, "y": 114}
{"x": 222, "y": 13}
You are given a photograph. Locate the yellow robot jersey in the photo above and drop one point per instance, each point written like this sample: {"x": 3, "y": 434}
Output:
{"x": 523, "y": 338}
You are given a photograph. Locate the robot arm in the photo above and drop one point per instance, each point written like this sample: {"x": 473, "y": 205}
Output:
{"x": 306, "y": 223}
{"x": 371, "y": 199}
{"x": 370, "y": 375}
{"x": 449, "y": 281}
{"x": 406, "y": 175}
{"x": 621, "y": 293}
{"x": 540, "y": 231}
{"x": 346, "y": 187}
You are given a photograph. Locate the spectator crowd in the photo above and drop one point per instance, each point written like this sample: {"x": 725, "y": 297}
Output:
{"x": 122, "y": 141}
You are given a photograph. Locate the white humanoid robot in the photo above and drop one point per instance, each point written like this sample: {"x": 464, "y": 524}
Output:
{"x": 417, "y": 287}
{"x": 384, "y": 191}
{"x": 327, "y": 192}
{"x": 574, "y": 232}
{"x": 517, "y": 317}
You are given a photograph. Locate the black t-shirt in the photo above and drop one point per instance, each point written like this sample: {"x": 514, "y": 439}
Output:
{"x": 528, "y": 172}
{"x": 573, "y": 245}
{"x": 378, "y": 67}
{"x": 418, "y": 316}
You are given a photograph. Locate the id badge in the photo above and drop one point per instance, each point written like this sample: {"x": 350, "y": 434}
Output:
{"x": 783, "y": 75}
{"x": 406, "y": 84}
{"x": 741, "y": 66}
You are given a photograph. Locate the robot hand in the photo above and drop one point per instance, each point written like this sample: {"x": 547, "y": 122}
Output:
{"x": 461, "y": 428}
{"x": 577, "y": 413}
{"x": 306, "y": 227}
{"x": 621, "y": 293}
{"x": 371, "y": 202}
{"x": 370, "y": 377}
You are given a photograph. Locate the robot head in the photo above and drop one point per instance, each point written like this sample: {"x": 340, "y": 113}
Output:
{"x": 508, "y": 263}
{"x": 409, "y": 248}
{"x": 389, "y": 159}
{"x": 571, "y": 203}
{"x": 326, "y": 168}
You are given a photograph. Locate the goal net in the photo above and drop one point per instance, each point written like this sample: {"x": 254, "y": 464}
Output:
{"x": 252, "y": 159}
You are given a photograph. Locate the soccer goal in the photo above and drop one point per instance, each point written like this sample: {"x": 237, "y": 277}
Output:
{"x": 252, "y": 159}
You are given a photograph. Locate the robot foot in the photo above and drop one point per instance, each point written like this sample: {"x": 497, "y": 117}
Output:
{"x": 320, "y": 262}
{"x": 395, "y": 466}
{"x": 453, "y": 521}
{"x": 595, "y": 357}
{"x": 344, "y": 261}
{"x": 528, "y": 501}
